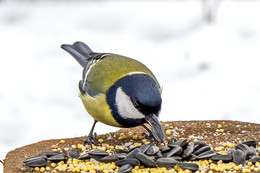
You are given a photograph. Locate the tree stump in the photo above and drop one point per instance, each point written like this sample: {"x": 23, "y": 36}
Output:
{"x": 211, "y": 132}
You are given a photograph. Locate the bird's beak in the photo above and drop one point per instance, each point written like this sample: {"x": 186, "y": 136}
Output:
{"x": 157, "y": 129}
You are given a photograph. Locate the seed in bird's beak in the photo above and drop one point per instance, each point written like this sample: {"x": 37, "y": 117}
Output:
{"x": 157, "y": 129}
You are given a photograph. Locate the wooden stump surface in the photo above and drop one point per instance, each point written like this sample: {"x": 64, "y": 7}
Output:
{"x": 207, "y": 131}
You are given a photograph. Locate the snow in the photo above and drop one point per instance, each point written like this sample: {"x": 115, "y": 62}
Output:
{"x": 208, "y": 71}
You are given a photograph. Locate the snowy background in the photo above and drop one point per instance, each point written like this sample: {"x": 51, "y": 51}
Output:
{"x": 208, "y": 70}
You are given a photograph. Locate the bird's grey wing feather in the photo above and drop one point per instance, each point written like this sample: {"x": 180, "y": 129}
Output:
{"x": 83, "y": 84}
{"x": 80, "y": 51}
{"x": 86, "y": 58}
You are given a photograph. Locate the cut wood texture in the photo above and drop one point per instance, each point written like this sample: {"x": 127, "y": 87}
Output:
{"x": 211, "y": 132}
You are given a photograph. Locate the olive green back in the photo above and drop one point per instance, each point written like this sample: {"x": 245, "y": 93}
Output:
{"x": 107, "y": 71}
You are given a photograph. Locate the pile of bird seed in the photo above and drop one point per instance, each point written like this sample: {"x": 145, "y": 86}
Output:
{"x": 174, "y": 156}
{"x": 130, "y": 152}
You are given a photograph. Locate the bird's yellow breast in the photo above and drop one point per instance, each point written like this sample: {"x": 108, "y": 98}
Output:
{"x": 98, "y": 108}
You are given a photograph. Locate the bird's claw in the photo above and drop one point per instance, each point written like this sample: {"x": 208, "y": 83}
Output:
{"x": 90, "y": 139}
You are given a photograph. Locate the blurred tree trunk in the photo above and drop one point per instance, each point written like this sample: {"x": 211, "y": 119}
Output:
{"x": 209, "y": 10}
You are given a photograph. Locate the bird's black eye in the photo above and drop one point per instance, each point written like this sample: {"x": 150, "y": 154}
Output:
{"x": 136, "y": 105}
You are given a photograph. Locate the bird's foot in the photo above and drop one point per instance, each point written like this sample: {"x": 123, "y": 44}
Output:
{"x": 90, "y": 139}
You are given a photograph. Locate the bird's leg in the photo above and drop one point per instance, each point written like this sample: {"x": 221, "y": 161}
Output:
{"x": 150, "y": 136}
{"x": 91, "y": 137}
{"x": 1, "y": 162}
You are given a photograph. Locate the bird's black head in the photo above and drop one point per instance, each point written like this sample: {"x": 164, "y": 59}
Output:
{"x": 133, "y": 97}
{"x": 134, "y": 100}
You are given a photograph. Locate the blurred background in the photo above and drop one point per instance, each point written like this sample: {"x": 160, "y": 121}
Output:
{"x": 205, "y": 54}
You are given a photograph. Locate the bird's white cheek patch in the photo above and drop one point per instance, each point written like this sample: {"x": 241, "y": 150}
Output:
{"x": 125, "y": 106}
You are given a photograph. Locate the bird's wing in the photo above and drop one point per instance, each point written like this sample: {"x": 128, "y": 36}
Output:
{"x": 83, "y": 84}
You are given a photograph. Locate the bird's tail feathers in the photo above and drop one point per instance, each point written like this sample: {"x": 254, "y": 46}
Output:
{"x": 80, "y": 51}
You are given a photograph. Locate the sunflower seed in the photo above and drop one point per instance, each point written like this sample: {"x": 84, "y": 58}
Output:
{"x": 34, "y": 158}
{"x": 110, "y": 158}
{"x": 132, "y": 161}
{"x": 125, "y": 168}
{"x": 166, "y": 162}
{"x": 255, "y": 159}
{"x": 206, "y": 154}
{"x": 37, "y": 162}
{"x": 73, "y": 153}
{"x": 58, "y": 158}
{"x": 152, "y": 150}
{"x": 223, "y": 157}
{"x": 250, "y": 143}
{"x": 133, "y": 153}
{"x": 202, "y": 149}
{"x": 190, "y": 166}
{"x": 147, "y": 161}
{"x": 174, "y": 152}
{"x": 239, "y": 157}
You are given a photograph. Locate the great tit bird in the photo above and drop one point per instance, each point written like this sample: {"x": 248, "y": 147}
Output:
{"x": 118, "y": 91}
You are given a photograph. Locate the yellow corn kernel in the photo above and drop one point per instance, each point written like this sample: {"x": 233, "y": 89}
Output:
{"x": 62, "y": 141}
{"x": 54, "y": 149}
{"x": 237, "y": 168}
{"x": 168, "y": 132}
{"x": 122, "y": 137}
{"x": 122, "y": 134}
{"x": 231, "y": 145}
{"x": 74, "y": 146}
{"x": 140, "y": 137}
{"x": 111, "y": 147}
{"x": 257, "y": 164}
{"x": 37, "y": 169}
{"x": 144, "y": 140}
{"x": 54, "y": 171}
{"x": 219, "y": 125}
{"x": 48, "y": 168}
{"x": 224, "y": 144}
{"x": 94, "y": 147}
{"x": 249, "y": 163}
{"x": 194, "y": 140}
{"x": 252, "y": 168}
{"x": 256, "y": 169}
{"x": 121, "y": 148}
{"x": 103, "y": 148}
{"x": 210, "y": 171}
{"x": 130, "y": 133}
{"x": 100, "y": 140}
{"x": 53, "y": 165}
{"x": 216, "y": 149}
{"x": 187, "y": 171}
{"x": 136, "y": 167}
{"x": 42, "y": 169}
{"x": 244, "y": 170}
{"x": 134, "y": 136}
{"x": 80, "y": 146}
